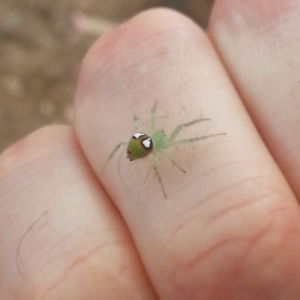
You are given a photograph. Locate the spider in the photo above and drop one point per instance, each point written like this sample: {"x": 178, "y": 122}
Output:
{"x": 141, "y": 144}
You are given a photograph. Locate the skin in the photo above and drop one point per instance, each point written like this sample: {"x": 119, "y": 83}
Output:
{"x": 230, "y": 226}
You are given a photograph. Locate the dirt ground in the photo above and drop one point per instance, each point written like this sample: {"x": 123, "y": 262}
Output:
{"x": 42, "y": 43}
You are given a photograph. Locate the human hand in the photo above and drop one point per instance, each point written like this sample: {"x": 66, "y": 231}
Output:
{"x": 229, "y": 228}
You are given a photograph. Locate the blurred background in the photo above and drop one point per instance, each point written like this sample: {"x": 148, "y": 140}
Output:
{"x": 42, "y": 43}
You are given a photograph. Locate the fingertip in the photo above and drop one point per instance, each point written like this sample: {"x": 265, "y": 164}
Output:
{"x": 37, "y": 144}
{"x": 114, "y": 45}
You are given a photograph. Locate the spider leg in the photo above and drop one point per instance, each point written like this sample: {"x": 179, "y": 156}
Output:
{"x": 111, "y": 155}
{"x": 180, "y": 127}
{"x": 192, "y": 140}
{"x": 157, "y": 174}
{"x": 172, "y": 161}
{"x": 152, "y": 117}
{"x": 138, "y": 124}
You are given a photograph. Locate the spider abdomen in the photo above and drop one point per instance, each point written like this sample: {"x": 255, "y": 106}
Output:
{"x": 140, "y": 145}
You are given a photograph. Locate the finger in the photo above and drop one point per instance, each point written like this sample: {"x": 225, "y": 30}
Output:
{"x": 229, "y": 226}
{"x": 60, "y": 237}
{"x": 259, "y": 42}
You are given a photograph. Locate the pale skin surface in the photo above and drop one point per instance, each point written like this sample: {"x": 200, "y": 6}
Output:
{"x": 230, "y": 228}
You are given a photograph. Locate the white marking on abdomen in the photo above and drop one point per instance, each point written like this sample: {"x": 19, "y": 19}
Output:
{"x": 138, "y": 134}
{"x": 147, "y": 143}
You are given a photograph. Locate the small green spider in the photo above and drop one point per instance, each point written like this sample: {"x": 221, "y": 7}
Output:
{"x": 142, "y": 144}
